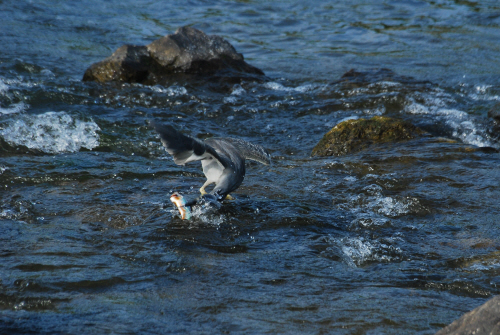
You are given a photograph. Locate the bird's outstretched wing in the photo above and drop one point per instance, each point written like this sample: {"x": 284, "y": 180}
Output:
{"x": 250, "y": 151}
{"x": 184, "y": 148}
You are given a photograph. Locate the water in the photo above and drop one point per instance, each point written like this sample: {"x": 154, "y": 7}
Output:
{"x": 400, "y": 238}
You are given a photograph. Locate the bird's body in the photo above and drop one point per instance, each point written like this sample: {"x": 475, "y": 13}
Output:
{"x": 222, "y": 159}
{"x": 227, "y": 172}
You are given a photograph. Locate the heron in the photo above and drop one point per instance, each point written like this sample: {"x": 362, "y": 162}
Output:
{"x": 222, "y": 160}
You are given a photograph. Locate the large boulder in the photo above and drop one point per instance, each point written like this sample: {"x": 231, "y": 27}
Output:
{"x": 188, "y": 51}
{"x": 355, "y": 135}
{"x": 484, "y": 320}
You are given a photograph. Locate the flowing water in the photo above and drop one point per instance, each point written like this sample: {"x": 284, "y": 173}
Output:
{"x": 398, "y": 239}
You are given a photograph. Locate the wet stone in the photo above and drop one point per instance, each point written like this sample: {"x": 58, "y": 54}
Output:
{"x": 188, "y": 51}
{"x": 355, "y": 135}
{"x": 494, "y": 113}
{"x": 484, "y": 320}
{"x": 357, "y": 78}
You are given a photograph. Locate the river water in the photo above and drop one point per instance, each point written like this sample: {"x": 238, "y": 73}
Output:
{"x": 398, "y": 239}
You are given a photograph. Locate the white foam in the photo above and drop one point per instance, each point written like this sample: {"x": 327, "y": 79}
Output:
{"x": 484, "y": 266}
{"x": 385, "y": 84}
{"x": 19, "y": 83}
{"x": 48, "y": 73}
{"x": 3, "y": 87}
{"x": 336, "y": 123}
{"x": 370, "y": 221}
{"x": 482, "y": 92}
{"x": 170, "y": 91}
{"x": 392, "y": 207}
{"x": 373, "y": 200}
{"x": 348, "y": 118}
{"x": 51, "y": 132}
{"x": 230, "y": 100}
{"x": 373, "y": 189}
{"x": 238, "y": 90}
{"x": 481, "y": 89}
{"x": 389, "y": 206}
{"x": 485, "y": 97}
{"x": 452, "y": 113}
{"x": 376, "y": 111}
{"x": 279, "y": 87}
{"x": 207, "y": 214}
{"x": 416, "y": 108}
{"x": 463, "y": 125}
{"x": 13, "y": 109}
{"x": 355, "y": 251}
{"x": 357, "y": 91}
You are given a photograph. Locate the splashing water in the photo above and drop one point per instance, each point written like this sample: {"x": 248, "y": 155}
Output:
{"x": 52, "y": 132}
{"x": 13, "y": 109}
{"x": 464, "y": 126}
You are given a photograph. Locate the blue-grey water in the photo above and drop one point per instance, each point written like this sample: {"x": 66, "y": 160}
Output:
{"x": 398, "y": 239}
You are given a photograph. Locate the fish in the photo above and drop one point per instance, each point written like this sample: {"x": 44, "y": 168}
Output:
{"x": 180, "y": 202}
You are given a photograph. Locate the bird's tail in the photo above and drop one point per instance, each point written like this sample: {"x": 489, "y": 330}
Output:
{"x": 250, "y": 150}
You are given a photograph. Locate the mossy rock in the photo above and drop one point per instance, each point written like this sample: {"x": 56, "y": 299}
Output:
{"x": 355, "y": 135}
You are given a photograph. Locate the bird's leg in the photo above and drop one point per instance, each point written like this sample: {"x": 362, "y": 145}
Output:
{"x": 202, "y": 189}
{"x": 229, "y": 197}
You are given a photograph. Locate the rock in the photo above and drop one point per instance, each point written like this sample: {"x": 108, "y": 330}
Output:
{"x": 484, "y": 320}
{"x": 494, "y": 130}
{"x": 358, "y": 78}
{"x": 355, "y": 135}
{"x": 372, "y": 75}
{"x": 494, "y": 113}
{"x": 129, "y": 63}
{"x": 188, "y": 51}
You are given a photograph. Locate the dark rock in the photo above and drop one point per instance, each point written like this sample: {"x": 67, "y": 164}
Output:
{"x": 494, "y": 113}
{"x": 494, "y": 130}
{"x": 129, "y": 63}
{"x": 356, "y": 78}
{"x": 372, "y": 75}
{"x": 188, "y": 51}
{"x": 484, "y": 320}
{"x": 355, "y": 135}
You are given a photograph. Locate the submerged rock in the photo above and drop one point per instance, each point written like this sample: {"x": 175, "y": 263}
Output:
{"x": 494, "y": 113}
{"x": 188, "y": 51}
{"x": 484, "y": 320}
{"x": 360, "y": 78}
{"x": 494, "y": 130}
{"x": 355, "y": 135}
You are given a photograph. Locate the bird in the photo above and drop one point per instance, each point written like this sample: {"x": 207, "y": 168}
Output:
{"x": 222, "y": 160}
